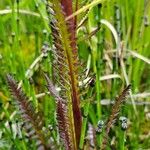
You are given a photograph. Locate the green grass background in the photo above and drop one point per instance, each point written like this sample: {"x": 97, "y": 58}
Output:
{"x": 23, "y": 35}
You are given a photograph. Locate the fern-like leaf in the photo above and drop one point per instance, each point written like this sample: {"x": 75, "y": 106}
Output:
{"x": 114, "y": 114}
{"x": 67, "y": 55}
{"x": 63, "y": 122}
{"x": 33, "y": 120}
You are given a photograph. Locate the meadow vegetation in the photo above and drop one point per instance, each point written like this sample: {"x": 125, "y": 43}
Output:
{"x": 74, "y": 74}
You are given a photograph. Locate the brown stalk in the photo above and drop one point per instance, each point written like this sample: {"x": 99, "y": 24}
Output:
{"x": 68, "y": 10}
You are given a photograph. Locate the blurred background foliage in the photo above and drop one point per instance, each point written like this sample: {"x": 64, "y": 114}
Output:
{"x": 24, "y": 30}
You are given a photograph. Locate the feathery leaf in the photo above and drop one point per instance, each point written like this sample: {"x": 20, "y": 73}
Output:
{"x": 63, "y": 122}
{"x": 115, "y": 112}
{"x": 33, "y": 121}
{"x": 66, "y": 48}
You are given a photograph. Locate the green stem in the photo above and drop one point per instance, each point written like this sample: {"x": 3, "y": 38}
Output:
{"x": 122, "y": 140}
{"x": 100, "y": 43}
{"x": 98, "y": 97}
{"x": 84, "y": 123}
